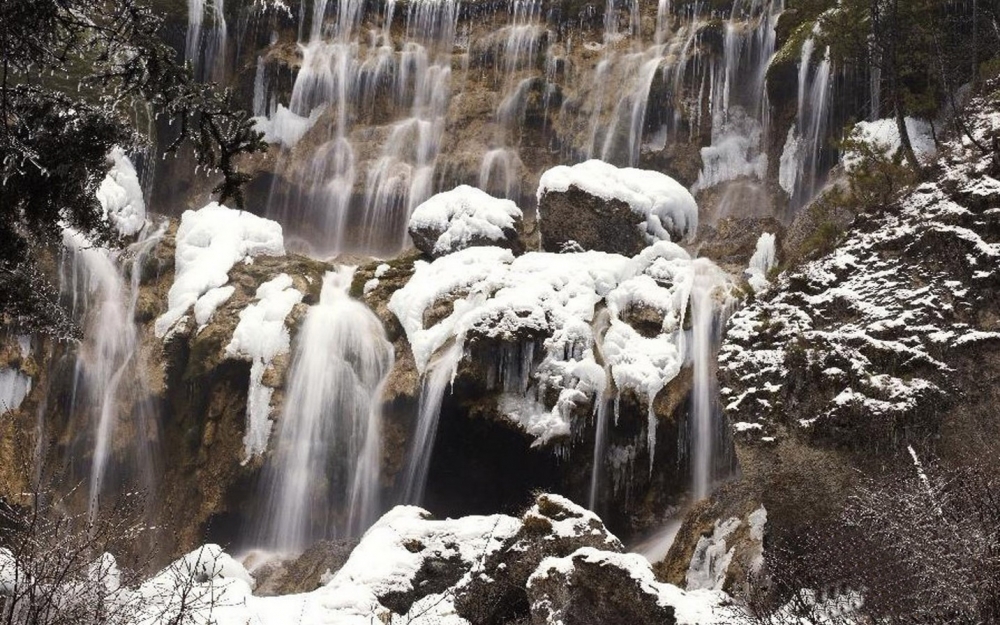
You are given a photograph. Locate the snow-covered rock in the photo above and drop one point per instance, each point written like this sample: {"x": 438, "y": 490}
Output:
{"x": 484, "y": 294}
{"x": 594, "y": 587}
{"x": 464, "y": 217}
{"x": 553, "y": 527}
{"x": 875, "y": 329}
{"x": 209, "y": 242}
{"x": 260, "y": 337}
{"x": 597, "y": 206}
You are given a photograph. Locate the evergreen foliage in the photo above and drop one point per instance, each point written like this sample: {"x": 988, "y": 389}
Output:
{"x": 74, "y": 75}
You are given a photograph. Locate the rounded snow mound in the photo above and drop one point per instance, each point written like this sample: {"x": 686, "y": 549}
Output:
{"x": 464, "y": 217}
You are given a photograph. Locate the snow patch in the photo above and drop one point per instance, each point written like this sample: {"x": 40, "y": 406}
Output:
{"x": 260, "y": 336}
{"x": 120, "y": 195}
{"x": 209, "y": 242}
{"x": 464, "y": 215}
{"x": 285, "y": 127}
{"x": 883, "y": 134}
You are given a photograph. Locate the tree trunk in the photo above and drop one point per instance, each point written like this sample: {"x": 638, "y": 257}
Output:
{"x": 904, "y": 135}
{"x": 897, "y": 100}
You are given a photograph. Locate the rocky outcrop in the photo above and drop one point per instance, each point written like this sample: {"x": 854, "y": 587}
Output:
{"x": 578, "y": 220}
{"x": 732, "y": 241}
{"x": 881, "y": 341}
{"x": 553, "y": 527}
{"x": 593, "y": 587}
{"x": 596, "y": 206}
{"x": 305, "y": 573}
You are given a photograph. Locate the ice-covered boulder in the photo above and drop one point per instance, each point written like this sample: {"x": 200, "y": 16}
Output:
{"x": 465, "y": 217}
{"x": 553, "y": 527}
{"x": 597, "y": 206}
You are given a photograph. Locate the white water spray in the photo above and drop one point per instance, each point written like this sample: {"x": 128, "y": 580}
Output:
{"x": 322, "y": 480}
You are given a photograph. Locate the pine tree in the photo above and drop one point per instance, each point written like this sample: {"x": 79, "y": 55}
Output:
{"x": 72, "y": 75}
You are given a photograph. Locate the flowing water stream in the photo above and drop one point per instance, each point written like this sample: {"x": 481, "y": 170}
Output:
{"x": 322, "y": 478}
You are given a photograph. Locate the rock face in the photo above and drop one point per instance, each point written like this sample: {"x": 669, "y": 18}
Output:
{"x": 465, "y": 217}
{"x": 597, "y": 206}
{"x": 731, "y": 241}
{"x": 592, "y": 587}
{"x": 886, "y": 341}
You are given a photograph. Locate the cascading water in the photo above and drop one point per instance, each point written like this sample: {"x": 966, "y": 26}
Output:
{"x": 207, "y": 51}
{"x": 331, "y": 204}
{"x": 437, "y": 380}
{"x": 322, "y": 479}
{"x": 706, "y": 422}
{"x": 601, "y": 408}
{"x": 108, "y": 384}
{"x": 739, "y": 108}
{"x": 801, "y": 175}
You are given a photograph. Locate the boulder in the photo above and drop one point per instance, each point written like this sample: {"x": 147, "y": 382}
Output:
{"x": 593, "y": 587}
{"x": 553, "y": 527}
{"x": 597, "y": 206}
{"x": 465, "y": 217}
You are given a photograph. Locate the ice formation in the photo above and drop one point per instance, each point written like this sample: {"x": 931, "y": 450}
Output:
{"x": 663, "y": 202}
{"x": 761, "y": 263}
{"x": 285, "y": 127}
{"x": 209, "y": 242}
{"x": 259, "y": 337}
{"x": 711, "y": 557}
{"x": 464, "y": 215}
{"x": 553, "y": 297}
{"x": 120, "y": 195}
{"x": 14, "y": 387}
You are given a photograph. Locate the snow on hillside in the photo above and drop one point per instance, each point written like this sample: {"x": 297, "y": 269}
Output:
{"x": 872, "y": 327}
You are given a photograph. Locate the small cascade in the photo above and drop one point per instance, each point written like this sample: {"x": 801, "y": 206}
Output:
{"x": 499, "y": 173}
{"x": 601, "y": 408}
{"x": 207, "y": 51}
{"x": 108, "y": 386}
{"x": 707, "y": 425}
{"x": 801, "y": 173}
{"x": 437, "y": 379}
{"x": 739, "y": 108}
{"x": 322, "y": 479}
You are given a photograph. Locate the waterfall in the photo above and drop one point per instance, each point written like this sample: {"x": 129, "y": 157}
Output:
{"x": 108, "y": 383}
{"x": 328, "y": 201}
{"x": 437, "y": 379}
{"x": 739, "y": 108}
{"x": 707, "y": 314}
{"x": 811, "y": 121}
{"x": 207, "y": 54}
{"x": 322, "y": 479}
{"x": 601, "y": 405}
